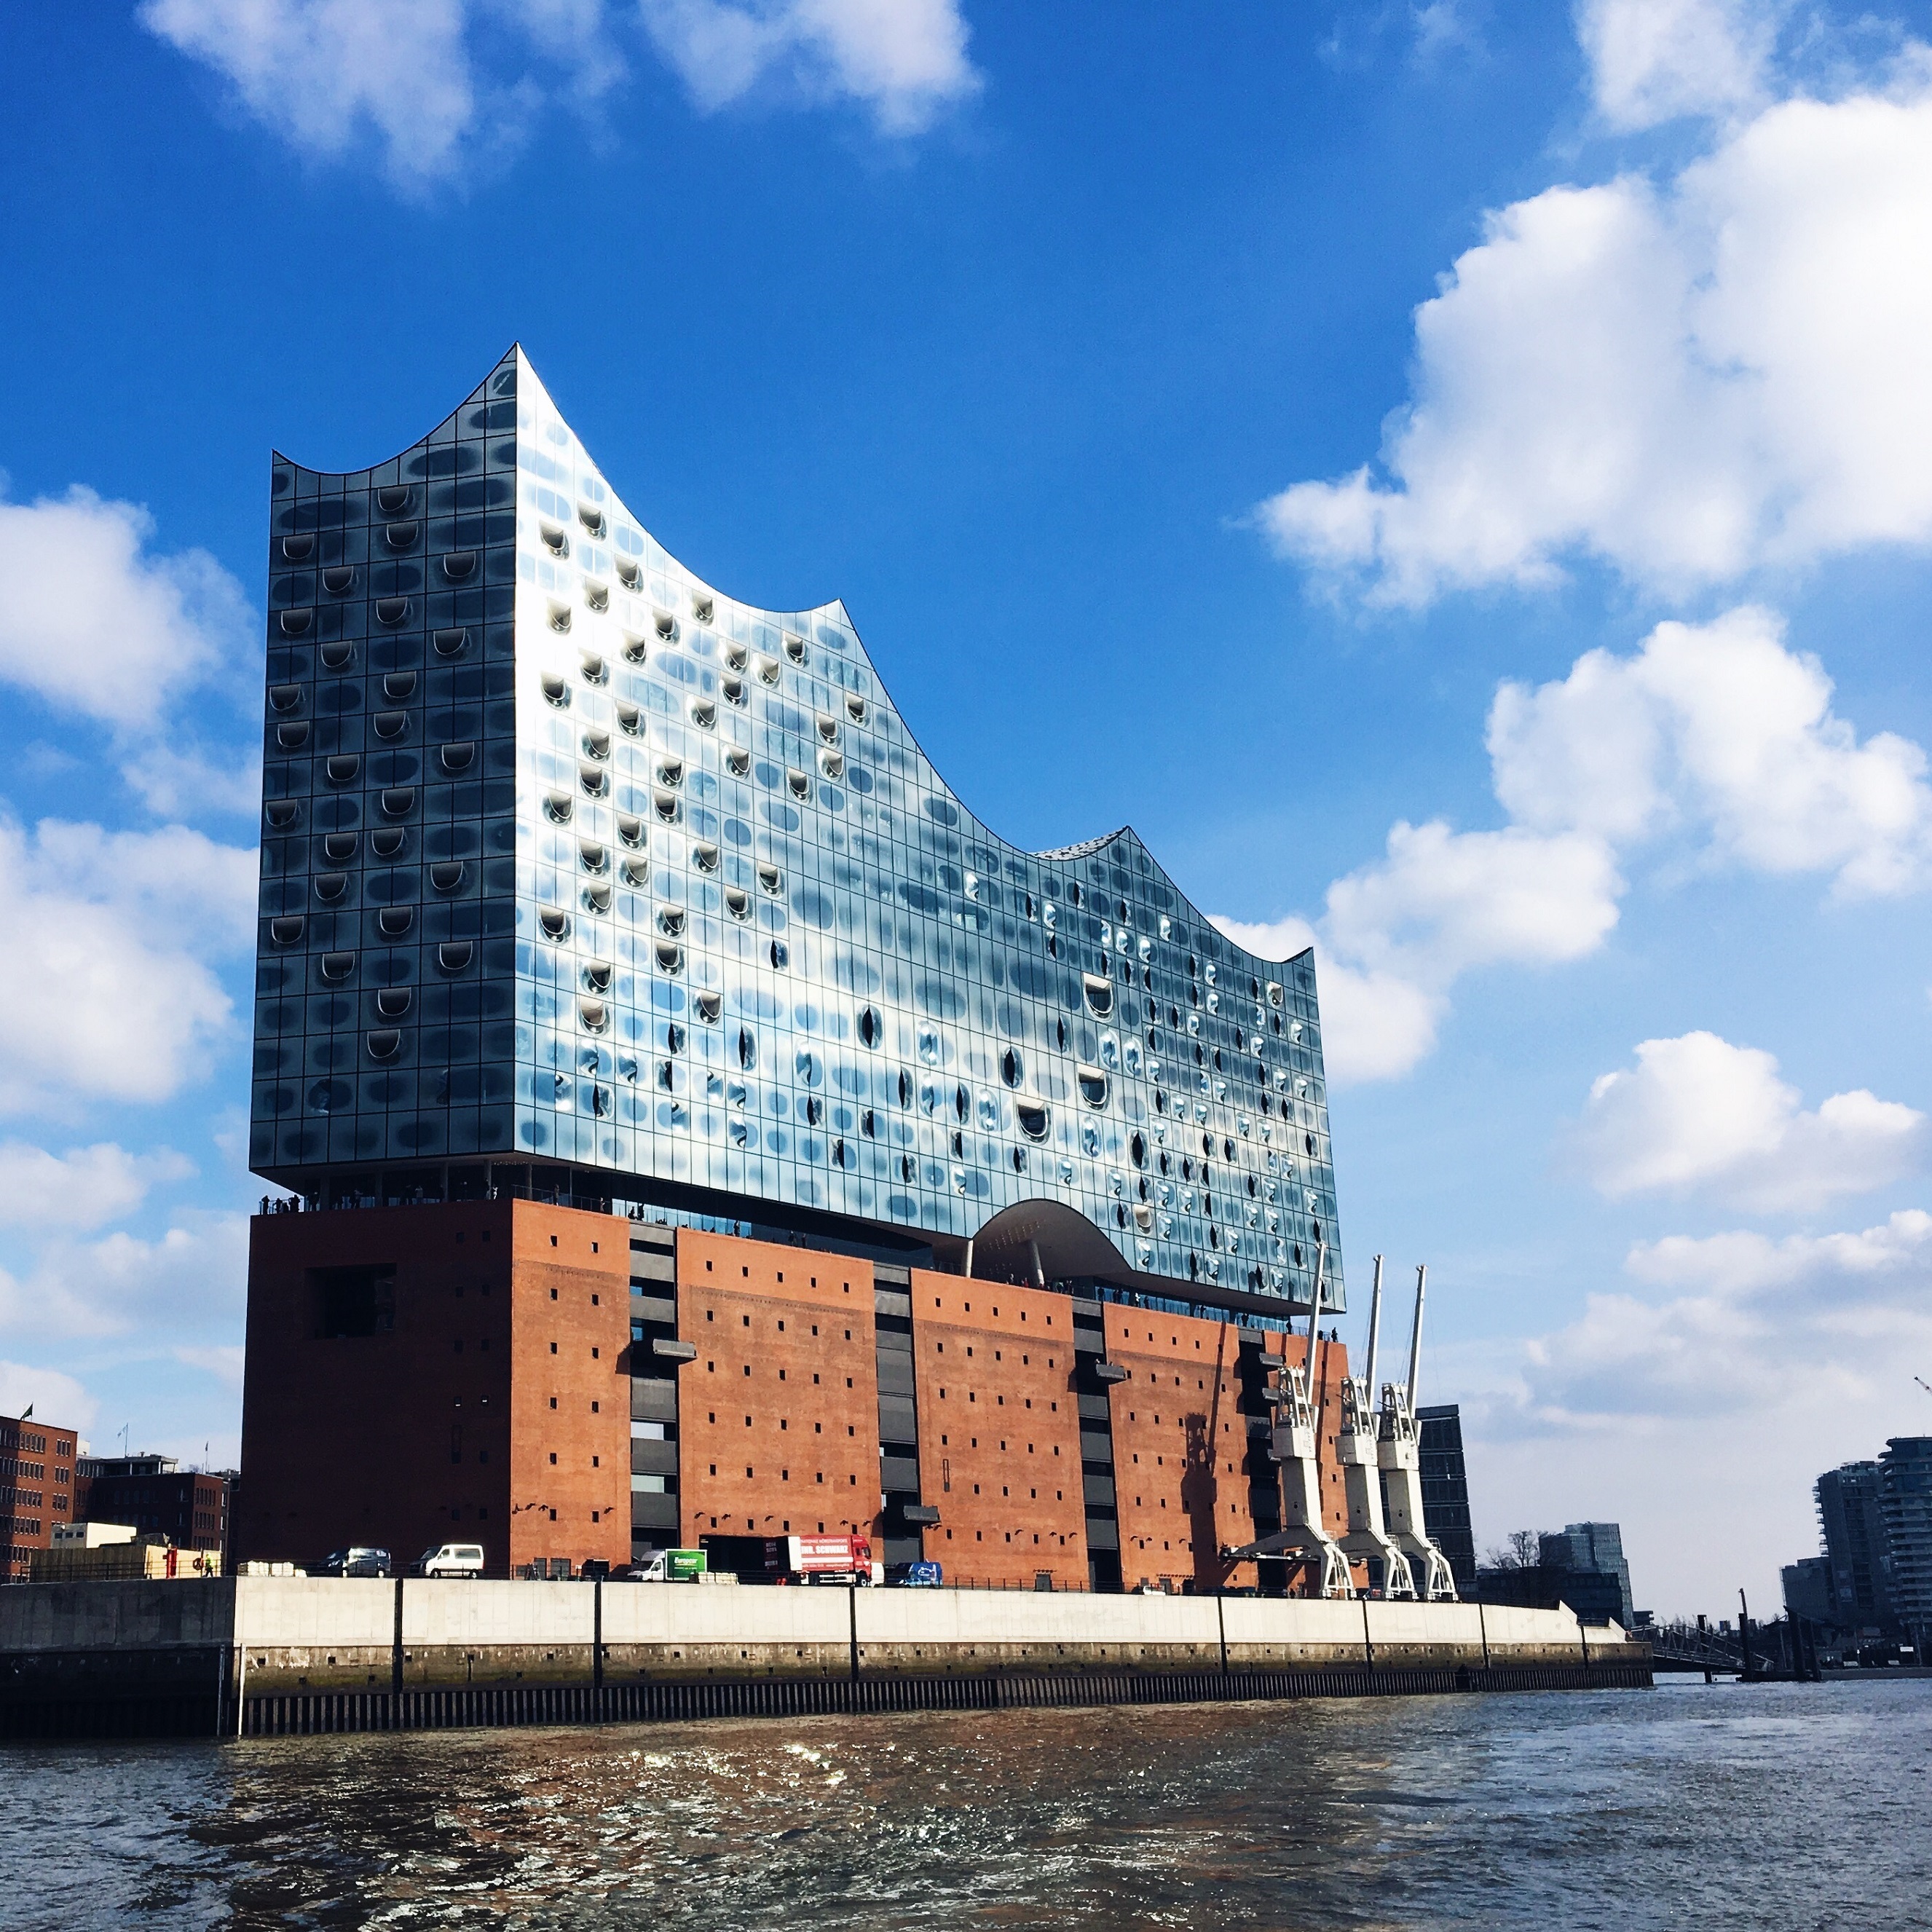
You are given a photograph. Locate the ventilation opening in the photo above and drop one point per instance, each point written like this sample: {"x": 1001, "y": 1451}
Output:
{"x": 453, "y": 954}
{"x": 1011, "y": 1070}
{"x": 286, "y": 931}
{"x": 597, "y": 898}
{"x": 704, "y": 857}
{"x": 596, "y": 596}
{"x": 768, "y": 670}
{"x": 666, "y": 803}
{"x": 800, "y": 784}
{"x": 794, "y": 647}
{"x": 558, "y": 808}
{"x": 593, "y": 858}
{"x": 671, "y": 922}
{"x": 391, "y": 611}
{"x": 701, "y": 608}
{"x": 299, "y": 549}
{"x": 1033, "y": 1117}
{"x": 636, "y": 872}
{"x": 708, "y": 1006}
{"x": 338, "y": 580}
{"x": 671, "y": 771}
{"x": 554, "y": 923}
{"x": 597, "y": 976}
{"x": 630, "y": 574}
{"x": 392, "y": 499}
{"x": 459, "y": 565}
{"x": 392, "y": 1002}
{"x": 771, "y": 878}
{"x": 281, "y": 813}
{"x": 634, "y": 649}
{"x": 594, "y": 1015}
{"x": 595, "y": 671}
{"x": 388, "y": 841}
{"x": 828, "y": 729}
{"x": 555, "y": 691}
{"x": 338, "y": 655}
{"x": 296, "y": 623}
{"x": 734, "y": 692}
{"x": 1093, "y": 1086}
{"x": 666, "y": 624}
{"x": 390, "y": 725}
{"x": 291, "y": 737}
{"x": 1143, "y": 1217}
{"x": 330, "y": 887}
{"x": 737, "y": 902}
{"x": 594, "y": 781}
{"x": 593, "y": 520}
{"x": 703, "y": 713}
{"x": 855, "y": 710}
{"x": 285, "y": 697}
{"x": 399, "y": 685}
{"x": 400, "y": 536}
{"x": 385, "y": 1043}
{"x": 455, "y": 758}
{"x": 560, "y": 617}
{"x": 392, "y": 922}
{"x": 399, "y": 801}
{"x": 341, "y": 771}
{"x": 340, "y": 846}
{"x": 739, "y": 763}
{"x": 1137, "y": 1150}
{"x": 670, "y": 957}
{"x": 831, "y": 764}
{"x": 736, "y": 657}
{"x": 596, "y": 743}
{"x": 338, "y": 966}
{"x": 447, "y": 876}
{"x": 630, "y": 720}
{"x": 556, "y": 539}
{"x": 452, "y": 643}
{"x": 631, "y": 831}
{"x": 871, "y": 1027}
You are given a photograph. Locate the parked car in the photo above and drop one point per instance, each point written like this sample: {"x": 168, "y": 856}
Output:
{"x": 359, "y": 1561}
{"x": 449, "y": 1559}
{"x": 592, "y": 1570}
{"x": 921, "y": 1577}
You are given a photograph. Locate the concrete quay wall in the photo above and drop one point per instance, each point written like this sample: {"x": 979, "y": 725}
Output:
{"x": 286, "y": 1635}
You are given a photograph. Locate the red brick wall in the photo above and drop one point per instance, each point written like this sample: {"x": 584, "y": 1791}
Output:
{"x": 440, "y": 1427}
{"x": 37, "y": 1489}
{"x": 999, "y": 1431}
{"x": 785, "y": 1385}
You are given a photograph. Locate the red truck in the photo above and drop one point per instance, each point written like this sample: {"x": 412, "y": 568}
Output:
{"x": 820, "y": 1559}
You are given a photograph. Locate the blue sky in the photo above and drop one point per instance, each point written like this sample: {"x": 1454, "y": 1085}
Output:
{"x": 1456, "y": 478}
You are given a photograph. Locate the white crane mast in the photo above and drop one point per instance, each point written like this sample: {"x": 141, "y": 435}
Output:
{"x": 1358, "y": 1449}
{"x": 1399, "y": 1451}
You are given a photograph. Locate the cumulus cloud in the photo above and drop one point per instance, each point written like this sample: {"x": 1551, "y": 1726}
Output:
{"x": 430, "y": 84}
{"x": 93, "y": 621}
{"x": 224, "y": 1362}
{"x": 1687, "y": 377}
{"x": 194, "y": 1276}
{"x": 1654, "y": 60}
{"x": 84, "y": 1188}
{"x": 1721, "y": 729}
{"x": 53, "y": 1397}
{"x": 1718, "y": 737}
{"x": 1698, "y": 1113}
{"x": 105, "y": 991}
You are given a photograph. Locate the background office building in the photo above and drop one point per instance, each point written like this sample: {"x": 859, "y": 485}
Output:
{"x": 586, "y": 886}
{"x": 1445, "y": 1491}
{"x": 37, "y": 1489}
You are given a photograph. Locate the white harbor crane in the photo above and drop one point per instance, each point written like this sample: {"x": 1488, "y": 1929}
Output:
{"x": 1296, "y": 1435}
{"x": 1399, "y": 1453}
{"x": 1358, "y": 1450}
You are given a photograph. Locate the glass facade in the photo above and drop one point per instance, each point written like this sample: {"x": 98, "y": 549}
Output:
{"x": 570, "y": 858}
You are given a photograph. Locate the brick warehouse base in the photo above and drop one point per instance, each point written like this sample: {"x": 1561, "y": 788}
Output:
{"x": 165, "y": 1659}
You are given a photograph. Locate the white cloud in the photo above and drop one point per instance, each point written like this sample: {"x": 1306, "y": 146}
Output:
{"x": 84, "y": 1187}
{"x": 53, "y": 1397}
{"x": 1698, "y": 1113}
{"x": 1653, "y": 61}
{"x": 95, "y": 623}
{"x": 195, "y": 1275}
{"x": 105, "y": 991}
{"x": 905, "y": 59}
{"x": 1688, "y": 380}
{"x": 430, "y": 83}
{"x": 224, "y": 1362}
{"x": 1719, "y": 728}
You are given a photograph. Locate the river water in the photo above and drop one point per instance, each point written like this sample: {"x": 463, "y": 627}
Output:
{"x": 1688, "y": 1806}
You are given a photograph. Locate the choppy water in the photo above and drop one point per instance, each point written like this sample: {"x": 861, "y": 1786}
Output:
{"x": 1772, "y": 1807}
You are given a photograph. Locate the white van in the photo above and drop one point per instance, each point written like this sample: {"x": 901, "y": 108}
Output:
{"x": 449, "y": 1559}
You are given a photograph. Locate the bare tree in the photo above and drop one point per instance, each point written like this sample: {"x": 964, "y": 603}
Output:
{"x": 1522, "y": 1550}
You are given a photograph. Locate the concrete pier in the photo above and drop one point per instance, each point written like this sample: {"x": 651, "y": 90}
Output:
{"x": 246, "y": 1654}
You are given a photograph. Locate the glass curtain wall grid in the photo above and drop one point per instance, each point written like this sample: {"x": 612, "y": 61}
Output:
{"x": 569, "y": 857}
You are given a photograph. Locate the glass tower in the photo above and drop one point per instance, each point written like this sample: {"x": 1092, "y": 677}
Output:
{"x": 578, "y": 874}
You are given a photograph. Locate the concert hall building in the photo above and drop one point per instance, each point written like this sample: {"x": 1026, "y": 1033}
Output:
{"x": 702, "y": 1127}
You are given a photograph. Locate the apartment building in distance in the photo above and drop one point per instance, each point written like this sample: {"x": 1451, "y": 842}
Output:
{"x": 37, "y": 1489}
